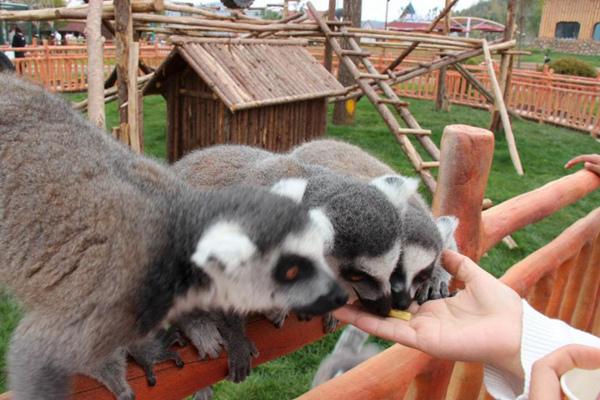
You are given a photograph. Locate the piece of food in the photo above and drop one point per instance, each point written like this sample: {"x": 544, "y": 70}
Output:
{"x": 398, "y": 314}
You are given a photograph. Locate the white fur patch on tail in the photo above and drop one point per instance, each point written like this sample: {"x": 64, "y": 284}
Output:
{"x": 293, "y": 188}
{"x": 397, "y": 188}
{"x": 226, "y": 243}
{"x": 447, "y": 225}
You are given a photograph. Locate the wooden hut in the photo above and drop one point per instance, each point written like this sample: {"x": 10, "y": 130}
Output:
{"x": 267, "y": 93}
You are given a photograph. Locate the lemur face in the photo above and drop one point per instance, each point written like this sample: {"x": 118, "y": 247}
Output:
{"x": 292, "y": 275}
{"x": 421, "y": 257}
{"x": 367, "y": 238}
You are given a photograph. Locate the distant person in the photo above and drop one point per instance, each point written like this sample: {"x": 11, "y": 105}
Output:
{"x": 18, "y": 41}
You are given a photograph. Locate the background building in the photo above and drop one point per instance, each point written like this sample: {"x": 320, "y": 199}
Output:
{"x": 571, "y": 26}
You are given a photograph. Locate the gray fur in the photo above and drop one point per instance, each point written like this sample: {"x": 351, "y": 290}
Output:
{"x": 96, "y": 243}
{"x": 365, "y": 221}
{"x": 350, "y": 350}
{"x": 421, "y": 233}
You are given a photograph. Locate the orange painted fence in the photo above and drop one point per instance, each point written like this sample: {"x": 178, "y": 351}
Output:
{"x": 569, "y": 101}
{"x": 572, "y": 102}
{"x": 64, "y": 68}
{"x": 562, "y": 279}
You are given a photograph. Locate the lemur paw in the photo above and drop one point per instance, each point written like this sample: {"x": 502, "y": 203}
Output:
{"x": 240, "y": 357}
{"x": 432, "y": 289}
{"x": 202, "y": 331}
{"x": 329, "y": 323}
{"x": 155, "y": 350}
{"x": 277, "y": 318}
{"x": 204, "y": 394}
{"x": 304, "y": 317}
{"x": 126, "y": 396}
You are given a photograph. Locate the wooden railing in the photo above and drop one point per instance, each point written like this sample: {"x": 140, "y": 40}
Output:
{"x": 64, "y": 68}
{"x": 562, "y": 279}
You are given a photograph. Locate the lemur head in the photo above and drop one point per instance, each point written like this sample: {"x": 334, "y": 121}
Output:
{"x": 268, "y": 254}
{"x": 367, "y": 233}
{"x": 424, "y": 239}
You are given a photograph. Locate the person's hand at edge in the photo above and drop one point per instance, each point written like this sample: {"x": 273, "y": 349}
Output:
{"x": 591, "y": 162}
{"x": 546, "y": 372}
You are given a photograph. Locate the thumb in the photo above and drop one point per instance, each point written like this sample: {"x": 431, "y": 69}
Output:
{"x": 461, "y": 267}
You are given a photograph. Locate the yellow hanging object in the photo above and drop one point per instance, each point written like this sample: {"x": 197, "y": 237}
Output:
{"x": 350, "y": 106}
{"x": 403, "y": 315}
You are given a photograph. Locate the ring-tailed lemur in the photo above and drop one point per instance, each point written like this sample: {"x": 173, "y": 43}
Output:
{"x": 350, "y": 350}
{"x": 101, "y": 246}
{"x": 419, "y": 275}
{"x": 367, "y": 229}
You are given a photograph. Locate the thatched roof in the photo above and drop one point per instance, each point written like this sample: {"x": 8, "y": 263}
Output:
{"x": 247, "y": 73}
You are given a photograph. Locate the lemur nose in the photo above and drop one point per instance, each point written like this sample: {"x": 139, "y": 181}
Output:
{"x": 401, "y": 300}
{"x": 380, "y": 306}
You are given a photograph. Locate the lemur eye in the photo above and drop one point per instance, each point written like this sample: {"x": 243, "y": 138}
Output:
{"x": 292, "y": 273}
{"x": 356, "y": 277}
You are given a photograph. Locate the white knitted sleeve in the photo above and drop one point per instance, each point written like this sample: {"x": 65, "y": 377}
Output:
{"x": 541, "y": 336}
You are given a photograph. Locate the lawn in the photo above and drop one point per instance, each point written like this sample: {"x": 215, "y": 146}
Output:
{"x": 544, "y": 149}
{"x": 537, "y": 56}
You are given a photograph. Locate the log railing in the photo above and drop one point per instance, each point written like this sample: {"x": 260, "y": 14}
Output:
{"x": 561, "y": 279}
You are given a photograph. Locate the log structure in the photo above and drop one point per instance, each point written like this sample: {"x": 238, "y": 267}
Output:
{"x": 260, "y": 92}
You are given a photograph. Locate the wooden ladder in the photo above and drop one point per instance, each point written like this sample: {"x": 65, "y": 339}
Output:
{"x": 364, "y": 81}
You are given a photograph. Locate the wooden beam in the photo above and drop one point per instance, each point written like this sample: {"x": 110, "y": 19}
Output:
{"x": 441, "y": 100}
{"x": 414, "y": 45}
{"x": 95, "y": 55}
{"x": 133, "y": 105}
{"x": 124, "y": 40}
{"x": 510, "y": 138}
{"x": 328, "y": 56}
{"x": 528, "y": 208}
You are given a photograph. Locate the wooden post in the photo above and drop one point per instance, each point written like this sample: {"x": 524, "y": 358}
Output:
{"x": 123, "y": 39}
{"x": 133, "y": 109}
{"x": 510, "y": 138}
{"x": 328, "y": 57}
{"x": 506, "y": 63}
{"x": 441, "y": 101}
{"x": 95, "y": 78}
{"x": 462, "y": 181}
{"x": 460, "y": 192}
{"x": 343, "y": 111}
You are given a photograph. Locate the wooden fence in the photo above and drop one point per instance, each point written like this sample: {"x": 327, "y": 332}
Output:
{"x": 562, "y": 279}
{"x": 64, "y": 68}
{"x": 563, "y": 100}
{"x": 572, "y": 102}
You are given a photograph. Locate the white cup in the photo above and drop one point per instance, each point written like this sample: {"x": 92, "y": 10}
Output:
{"x": 581, "y": 384}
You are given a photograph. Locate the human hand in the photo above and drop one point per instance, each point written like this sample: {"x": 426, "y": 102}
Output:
{"x": 591, "y": 162}
{"x": 546, "y": 372}
{"x": 481, "y": 323}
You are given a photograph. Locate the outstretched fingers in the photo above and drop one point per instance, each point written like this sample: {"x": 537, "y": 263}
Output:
{"x": 387, "y": 328}
{"x": 584, "y": 158}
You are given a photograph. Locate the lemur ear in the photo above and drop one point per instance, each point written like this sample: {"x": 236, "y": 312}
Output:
{"x": 324, "y": 226}
{"x": 447, "y": 225}
{"x": 293, "y": 188}
{"x": 226, "y": 244}
{"x": 397, "y": 188}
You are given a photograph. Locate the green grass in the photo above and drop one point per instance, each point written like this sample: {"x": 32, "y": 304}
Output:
{"x": 544, "y": 149}
{"x": 537, "y": 56}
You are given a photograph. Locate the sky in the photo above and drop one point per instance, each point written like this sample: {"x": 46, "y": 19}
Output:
{"x": 375, "y": 9}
